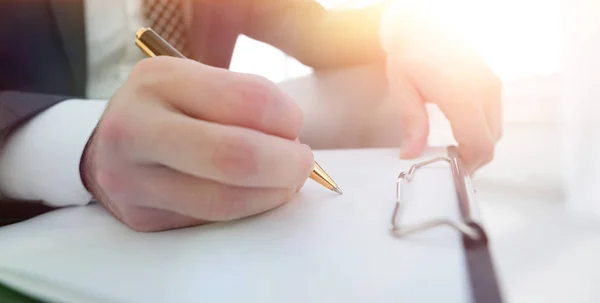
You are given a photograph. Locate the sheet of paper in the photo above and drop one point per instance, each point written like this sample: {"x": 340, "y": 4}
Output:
{"x": 318, "y": 247}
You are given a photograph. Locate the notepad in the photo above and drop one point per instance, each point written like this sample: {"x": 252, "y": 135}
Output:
{"x": 319, "y": 247}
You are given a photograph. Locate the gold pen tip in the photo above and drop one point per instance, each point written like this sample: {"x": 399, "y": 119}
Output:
{"x": 141, "y": 31}
{"x": 338, "y": 190}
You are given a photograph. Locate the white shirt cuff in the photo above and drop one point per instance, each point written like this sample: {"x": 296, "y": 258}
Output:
{"x": 40, "y": 160}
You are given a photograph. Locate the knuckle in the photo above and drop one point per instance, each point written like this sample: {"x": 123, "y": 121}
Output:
{"x": 115, "y": 132}
{"x": 235, "y": 158}
{"x": 256, "y": 95}
{"x": 263, "y": 106}
{"x": 148, "y": 73}
{"x": 144, "y": 67}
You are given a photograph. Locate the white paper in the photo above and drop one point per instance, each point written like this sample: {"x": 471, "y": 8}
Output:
{"x": 318, "y": 247}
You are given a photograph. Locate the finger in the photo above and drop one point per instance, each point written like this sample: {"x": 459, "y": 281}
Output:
{"x": 490, "y": 88}
{"x": 413, "y": 115}
{"x": 223, "y": 96}
{"x": 470, "y": 127}
{"x": 457, "y": 95}
{"x": 206, "y": 199}
{"x": 492, "y": 97}
{"x": 228, "y": 154}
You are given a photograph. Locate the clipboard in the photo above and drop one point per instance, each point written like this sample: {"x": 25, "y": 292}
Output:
{"x": 319, "y": 247}
{"x": 482, "y": 274}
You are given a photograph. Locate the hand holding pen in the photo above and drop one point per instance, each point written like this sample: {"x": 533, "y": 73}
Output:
{"x": 182, "y": 143}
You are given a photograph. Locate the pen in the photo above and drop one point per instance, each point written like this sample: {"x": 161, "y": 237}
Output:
{"x": 154, "y": 45}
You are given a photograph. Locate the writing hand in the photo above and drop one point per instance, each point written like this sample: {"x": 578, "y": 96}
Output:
{"x": 182, "y": 143}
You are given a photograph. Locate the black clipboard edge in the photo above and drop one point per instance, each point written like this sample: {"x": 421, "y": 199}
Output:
{"x": 480, "y": 265}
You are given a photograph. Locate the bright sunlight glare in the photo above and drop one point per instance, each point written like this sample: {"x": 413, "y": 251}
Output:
{"x": 517, "y": 38}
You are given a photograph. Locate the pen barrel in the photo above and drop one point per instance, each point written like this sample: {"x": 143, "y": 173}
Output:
{"x": 154, "y": 45}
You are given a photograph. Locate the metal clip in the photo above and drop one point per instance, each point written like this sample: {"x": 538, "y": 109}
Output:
{"x": 403, "y": 179}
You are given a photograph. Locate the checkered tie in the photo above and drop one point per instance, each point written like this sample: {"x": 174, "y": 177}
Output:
{"x": 166, "y": 17}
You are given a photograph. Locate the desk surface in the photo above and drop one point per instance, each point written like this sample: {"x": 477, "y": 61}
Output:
{"x": 317, "y": 247}
{"x": 543, "y": 252}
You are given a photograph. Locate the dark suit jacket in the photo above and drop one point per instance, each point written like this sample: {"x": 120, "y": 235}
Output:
{"x": 43, "y": 56}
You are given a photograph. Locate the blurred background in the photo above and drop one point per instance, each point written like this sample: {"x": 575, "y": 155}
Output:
{"x": 519, "y": 38}
{"x": 522, "y": 41}
{"x": 542, "y": 191}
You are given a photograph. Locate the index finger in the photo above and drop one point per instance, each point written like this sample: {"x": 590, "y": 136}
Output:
{"x": 459, "y": 99}
{"x": 468, "y": 119}
{"x": 492, "y": 98}
{"x": 225, "y": 97}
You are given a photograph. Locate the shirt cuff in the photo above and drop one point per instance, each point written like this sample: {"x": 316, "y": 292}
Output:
{"x": 40, "y": 160}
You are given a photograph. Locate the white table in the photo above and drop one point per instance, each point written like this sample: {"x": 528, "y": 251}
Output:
{"x": 544, "y": 252}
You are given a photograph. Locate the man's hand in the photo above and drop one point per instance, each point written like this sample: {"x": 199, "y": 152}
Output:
{"x": 182, "y": 143}
{"x": 428, "y": 63}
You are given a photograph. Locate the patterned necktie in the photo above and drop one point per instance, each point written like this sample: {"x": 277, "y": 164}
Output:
{"x": 166, "y": 17}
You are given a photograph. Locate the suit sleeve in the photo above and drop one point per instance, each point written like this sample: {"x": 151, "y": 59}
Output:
{"x": 42, "y": 138}
{"x": 17, "y": 107}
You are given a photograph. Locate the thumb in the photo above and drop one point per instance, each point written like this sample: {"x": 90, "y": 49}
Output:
{"x": 414, "y": 121}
